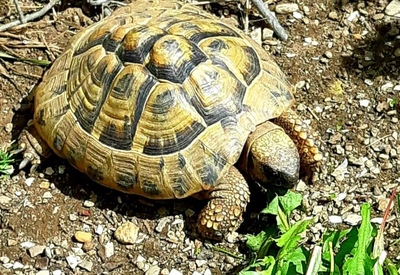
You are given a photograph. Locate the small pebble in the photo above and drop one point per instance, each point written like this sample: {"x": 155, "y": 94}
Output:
{"x": 17, "y": 265}
{"x": 335, "y": 219}
{"x": 153, "y": 270}
{"x": 174, "y": 272}
{"x": 61, "y": 169}
{"x": 83, "y": 237}
{"x": 86, "y": 265}
{"x": 36, "y": 250}
{"x": 353, "y": 219}
{"x": 364, "y": 103}
{"x": 377, "y": 220}
{"x": 297, "y": 15}
{"x": 383, "y": 203}
{"x": 99, "y": 229}
{"x": 73, "y": 261}
{"x": 44, "y": 185}
{"x": 109, "y": 249}
{"x": 126, "y": 233}
{"x": 29, "y": 181}
{"x": 47, "y": 195}
{"x": 9, "y": 127}
{"x": 42, "y": 263}
{"x": 286, "y": 8}
{"x": 4, "y": 260}
{"x": 49, "y": 171}
{"x": 88, "y": 204}
{"x": 5, "y": 199}
{"x": 27, "y": 244}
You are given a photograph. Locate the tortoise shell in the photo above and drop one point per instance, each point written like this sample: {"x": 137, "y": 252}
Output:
{"x": 158, "y": 100}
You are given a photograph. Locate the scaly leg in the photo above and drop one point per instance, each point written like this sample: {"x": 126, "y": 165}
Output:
{"x": 33, "y": 147}
{"x": 305, "y": 139}
{"x": 227, "y": 202}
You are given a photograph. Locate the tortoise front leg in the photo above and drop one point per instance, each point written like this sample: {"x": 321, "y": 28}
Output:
{"x": 227, "y": 202}
{"x": 304, "y": 138}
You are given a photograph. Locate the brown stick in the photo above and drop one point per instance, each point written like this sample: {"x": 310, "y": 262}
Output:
{"x": 29, "y": 17}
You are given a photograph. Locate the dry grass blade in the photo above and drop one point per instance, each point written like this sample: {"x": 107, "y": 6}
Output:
{"x": 25, "y": 60}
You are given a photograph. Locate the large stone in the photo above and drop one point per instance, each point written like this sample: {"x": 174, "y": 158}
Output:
{"x": 393, "y": 9}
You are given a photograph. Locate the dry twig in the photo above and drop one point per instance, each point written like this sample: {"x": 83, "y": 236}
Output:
{"x": 271, "y": 19}
{"x": 29, "y": 17}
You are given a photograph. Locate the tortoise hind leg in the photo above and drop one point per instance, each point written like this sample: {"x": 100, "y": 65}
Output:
{"x": 33, "y": 147}
{"x": 305, "y": 139}
{"x": 227, "y": 202}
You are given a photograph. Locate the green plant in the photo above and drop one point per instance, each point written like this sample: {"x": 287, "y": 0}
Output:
{"x": 353, "y": 251}
{"x": 6, "y": 161}
{"x": 393, "y": 103}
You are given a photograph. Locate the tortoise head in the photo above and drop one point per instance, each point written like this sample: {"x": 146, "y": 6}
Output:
{"x": 272, "y": 157}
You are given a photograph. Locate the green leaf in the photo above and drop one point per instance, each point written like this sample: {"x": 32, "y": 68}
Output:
{"x": 362, "y": 263}
{"x": 282, "y": 206}
{"x": 289, "y": 239}
{"x": 335, "y": 237}
{"x": 261, "y": 267}
{"x": 294, "y": 262}
{"x": 254, "y": 242}
{"x": 288, "y": 202}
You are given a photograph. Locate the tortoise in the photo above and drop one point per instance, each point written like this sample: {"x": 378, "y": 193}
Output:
{"x": 163, "y": 100}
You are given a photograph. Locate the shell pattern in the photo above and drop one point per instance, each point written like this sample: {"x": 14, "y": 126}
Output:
{"x": 158, "y": 100}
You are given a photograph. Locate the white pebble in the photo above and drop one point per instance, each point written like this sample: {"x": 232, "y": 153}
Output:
{"x": 364, "y": 103}
{"x": 335, "y": 219}
{"x": 27, "y": 245}
{"x": 377, "y": 220}
{"x": 99, "y": 229}
{"x": 369, "y": 82}
{"x": 73, "y": 261}
{"x": 353, "y": 219}
{"x": 175, "y": 272}
{"x": 297, "y": 15}
{"x": 353, "y": 16}
{"x": 290, "y": 55}
{"x": 29, "y": 181}
{"x": 47, "y": 195}
{"x": 17, "y": 265}
{"x": 341, "y": 196}
{"x": 387, "y": 86}
{"x": 88, "y": 204}
{"x": 109, "y": 249}
{"x": 4, "y": 260}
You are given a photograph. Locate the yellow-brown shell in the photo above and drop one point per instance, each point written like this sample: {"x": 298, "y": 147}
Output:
{"x": 158, "y": 100}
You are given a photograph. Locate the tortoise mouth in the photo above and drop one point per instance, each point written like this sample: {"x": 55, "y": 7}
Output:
{"x": 287, "y": 179}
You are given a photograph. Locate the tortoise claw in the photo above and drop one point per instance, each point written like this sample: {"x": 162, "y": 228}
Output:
{"x": 33, "y": 147}
{"x": 24, "y": 163}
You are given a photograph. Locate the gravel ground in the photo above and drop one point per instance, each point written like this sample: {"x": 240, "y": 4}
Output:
{"x": 344, "y": 58}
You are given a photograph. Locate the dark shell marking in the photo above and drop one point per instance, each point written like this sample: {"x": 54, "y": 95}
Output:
{"x": 158, "y": 102}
